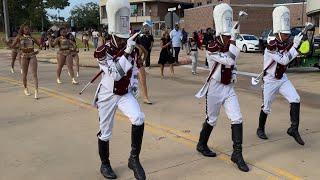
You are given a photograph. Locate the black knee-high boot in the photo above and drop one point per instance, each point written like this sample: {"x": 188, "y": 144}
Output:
{"x": 236, "y": 157}
{"x": 295, "y": 119}
{"x": 105, "y": 169}
{"x": 262, "y": 122}
{"x": 136, "y": 142}
{"x": 202, "y": 145}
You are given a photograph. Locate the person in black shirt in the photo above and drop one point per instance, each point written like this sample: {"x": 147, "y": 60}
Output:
{"x": 146, "y": 40}
{"x": 208, "y": 37}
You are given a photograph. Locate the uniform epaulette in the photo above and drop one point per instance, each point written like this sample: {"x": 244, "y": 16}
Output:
{"x": 272, "y": 45}
{"x": 100, "y": 52}
{"x": 213, "y": 46}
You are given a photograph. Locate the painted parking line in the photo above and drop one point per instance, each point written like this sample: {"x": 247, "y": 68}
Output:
{"x": 189, "y": 140}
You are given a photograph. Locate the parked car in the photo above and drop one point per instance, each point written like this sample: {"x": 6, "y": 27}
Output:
{"x": 247, "y": 42}
{"x": 267, "y": 36}
{"x": 263, "y": 39}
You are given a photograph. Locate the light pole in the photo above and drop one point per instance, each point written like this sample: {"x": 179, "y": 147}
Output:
{"x": 42, "y": 14}
{"x": 179, "y": 9}
{"x": 6, "y": 18}
{"x": 58, "y": 16}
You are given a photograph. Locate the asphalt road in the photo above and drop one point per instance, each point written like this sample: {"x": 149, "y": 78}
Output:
{"x": 55, "y": 137}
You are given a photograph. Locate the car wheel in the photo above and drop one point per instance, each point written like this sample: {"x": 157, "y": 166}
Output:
{"x": 244, "y": 49}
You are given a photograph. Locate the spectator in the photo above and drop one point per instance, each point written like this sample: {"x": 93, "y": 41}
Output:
{"x": 95, "y": 38}
{"x": 146, "y": 40}
{"x": 166, "y": 54}
{"x": 85, "y": 40}
{"x": 176, "y": 37}
{"x": 101, "y": 40}
{"x": 208, "y": 37}
{"x": 194, "y": 45}
{"x": 184, "y": 38}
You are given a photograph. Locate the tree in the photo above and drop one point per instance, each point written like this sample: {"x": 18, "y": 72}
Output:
{"x": 85, "y": 16}
{"x": 32, "y": 12}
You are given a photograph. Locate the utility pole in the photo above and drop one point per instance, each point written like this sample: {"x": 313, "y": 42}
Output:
{"x": 6, "y": 18}
{"x": 302, "y": 13}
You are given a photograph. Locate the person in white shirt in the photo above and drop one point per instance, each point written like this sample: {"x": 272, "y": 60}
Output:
{"x": 176, "y": 38}
{"x": 95, "y": 38}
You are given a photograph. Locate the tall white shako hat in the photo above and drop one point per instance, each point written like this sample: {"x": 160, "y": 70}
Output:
{"x": 281, "y": 20}
{"x": 223, "y": 19}
{"x": 118, "y": 12}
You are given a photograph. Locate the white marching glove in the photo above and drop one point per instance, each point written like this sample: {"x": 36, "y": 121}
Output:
{"x": 297, "y": 40}
{"x": 131, "y": 44}
{"x": 234, "y": 32}
{"x": 234, "y": 78}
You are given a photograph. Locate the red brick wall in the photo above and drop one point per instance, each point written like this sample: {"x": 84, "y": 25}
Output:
{"x": 258, "y": 20}
{"x": 198, "y": 18}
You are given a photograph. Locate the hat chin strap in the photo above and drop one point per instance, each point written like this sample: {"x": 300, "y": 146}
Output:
{"x": 280, "y": 37}
{"x": 114, "y": 40}
{"x": 221, "y": 39}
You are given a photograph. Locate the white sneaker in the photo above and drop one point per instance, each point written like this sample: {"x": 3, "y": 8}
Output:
{"x": 77, "y": 74}
{"x": 12, "y": 70}
{"x": 36, "y": 94}
{"x": 26, "y": 92}
{"x": 21, "y": 71}
{"x": 74, "y": 81}
{"x": 59, "y": 81}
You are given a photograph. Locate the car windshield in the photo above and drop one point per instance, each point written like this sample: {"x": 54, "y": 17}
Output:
{"x": 295, "y": 31}
{"x": 250, "y": 38}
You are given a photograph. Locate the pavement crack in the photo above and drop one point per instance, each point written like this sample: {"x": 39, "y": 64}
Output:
{"x": 176, "y": 165}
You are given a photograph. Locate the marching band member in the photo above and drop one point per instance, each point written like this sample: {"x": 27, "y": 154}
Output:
{"x": 28, "y": 57}
{"x": 118, "y": 88}
{"x": 277, "y": 56}
{"x": 222, "y": 54}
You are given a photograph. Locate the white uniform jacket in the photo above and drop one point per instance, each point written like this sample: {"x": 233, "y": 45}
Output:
{"x": 114, "y": 70}
{"x": 275, "y": 56}
{"x": 223, "y": 58}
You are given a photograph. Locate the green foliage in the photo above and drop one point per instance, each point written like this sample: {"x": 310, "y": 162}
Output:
{"x": 85, "y": 16}
{"x": 31, "y": 12}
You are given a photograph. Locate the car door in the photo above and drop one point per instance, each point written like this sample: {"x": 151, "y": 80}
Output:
{"x": 239, "y": 42}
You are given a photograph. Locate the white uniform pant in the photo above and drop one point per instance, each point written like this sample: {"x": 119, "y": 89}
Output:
{"x": 272, "y": 87}
{"x": 107, "y": 107}
{"x": 194, "y": 59}
{"x": 222, "y": 95}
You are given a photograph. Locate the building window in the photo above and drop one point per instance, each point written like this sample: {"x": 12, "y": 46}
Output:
{"x": 209, "y": 1}
{"x": 199, "y": 4}
{"x": 134, "y": 9}
{"x": 103, "y": 11}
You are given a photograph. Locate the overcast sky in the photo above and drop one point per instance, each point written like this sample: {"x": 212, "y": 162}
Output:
{"x": 66, "y": 12}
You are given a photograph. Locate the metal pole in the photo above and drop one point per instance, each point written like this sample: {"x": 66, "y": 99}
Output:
{"x": 6, "y": 18}
{"x": 171, "y": 20}
{"x": 42, "y": 14}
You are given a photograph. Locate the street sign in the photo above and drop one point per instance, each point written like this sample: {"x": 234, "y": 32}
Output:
{"x": 171, "y": 20}
{"x": 172, "y": 9}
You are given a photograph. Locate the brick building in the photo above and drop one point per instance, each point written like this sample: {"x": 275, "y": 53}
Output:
{"x": 313, "y": 11}
{"x": 259, "y": 19}
{"x": 142, "y": 10}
